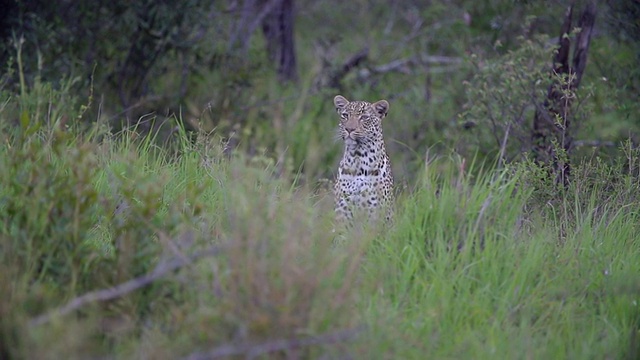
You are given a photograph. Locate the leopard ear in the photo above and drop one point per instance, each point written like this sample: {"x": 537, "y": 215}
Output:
{"x": 381, "y": 107}
{"x": 340, "y": 102}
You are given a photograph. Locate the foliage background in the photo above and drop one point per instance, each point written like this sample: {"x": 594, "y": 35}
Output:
{"x": 203, "y": 65}
{"x": 140, "y": 135}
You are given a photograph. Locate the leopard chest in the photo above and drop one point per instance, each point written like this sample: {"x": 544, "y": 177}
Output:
{"x": 361, "y": 177}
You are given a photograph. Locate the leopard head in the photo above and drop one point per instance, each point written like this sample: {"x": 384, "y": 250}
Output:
{"x": 360, "y": 121}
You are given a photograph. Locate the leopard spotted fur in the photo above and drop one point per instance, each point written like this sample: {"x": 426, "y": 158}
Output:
{"x": 364, "y": 183}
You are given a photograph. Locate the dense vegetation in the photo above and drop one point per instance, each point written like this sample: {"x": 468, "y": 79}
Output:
{"x": 164, "y": 190}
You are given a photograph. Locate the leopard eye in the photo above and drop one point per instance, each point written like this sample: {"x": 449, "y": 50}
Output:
{"x": 344, "y": 116}
{"x": 364, "y": 118}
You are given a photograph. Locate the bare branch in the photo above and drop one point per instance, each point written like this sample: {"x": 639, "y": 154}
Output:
{"x": 162, "y": 269}
{"x": 242, "y": 24}
{"x": 253, "y": 350}
{"x": 439, "y": 59}
{"x": 403, "y": 64}
{"x": 354, "y": 61}
{"x": 398, "y": 64}
{"x": 594, "y": 143}
{"x": 266, "y": 10}
{"x": 250, "y": 21}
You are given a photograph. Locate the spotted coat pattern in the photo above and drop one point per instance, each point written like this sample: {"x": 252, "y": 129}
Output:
{"x": 364, "y": 181}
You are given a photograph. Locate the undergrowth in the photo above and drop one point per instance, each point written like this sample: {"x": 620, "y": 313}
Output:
{"x": 113, "y": 247}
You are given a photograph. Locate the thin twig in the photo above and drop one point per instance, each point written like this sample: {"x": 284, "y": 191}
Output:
{"x": 503, "y": 146}
{"x": 594, "y": 143}
{"x": 163, "y": 268}
{"x": 253, "y": 350}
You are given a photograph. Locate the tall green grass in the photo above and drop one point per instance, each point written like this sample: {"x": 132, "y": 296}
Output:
{"x": 524, "y": 284}
{"x": 480, "y": 263}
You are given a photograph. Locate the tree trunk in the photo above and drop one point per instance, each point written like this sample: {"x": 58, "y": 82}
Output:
{"x": 277, "y": 28}
{"x": 552, "y": 140}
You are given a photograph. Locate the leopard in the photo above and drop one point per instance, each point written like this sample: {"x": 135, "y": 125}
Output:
{"x": 364, "y": 180}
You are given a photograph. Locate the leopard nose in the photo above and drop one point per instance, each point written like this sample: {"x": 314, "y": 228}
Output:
{"x": 349, "y": 129}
